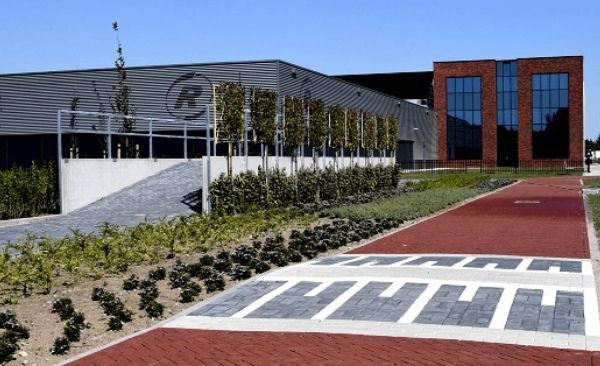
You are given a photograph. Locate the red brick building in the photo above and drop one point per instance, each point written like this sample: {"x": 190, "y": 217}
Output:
{"x": 510, "y": 112}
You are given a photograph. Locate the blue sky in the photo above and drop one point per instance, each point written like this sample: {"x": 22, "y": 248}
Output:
{"x": 333, "y": 37}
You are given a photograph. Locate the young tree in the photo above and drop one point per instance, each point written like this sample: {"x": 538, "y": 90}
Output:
{"x": 230, "y": 100}
{"x": 352, "y": 127}
{"x": 294, "y": 126}
{"x": 122, "y": 104}
{"x": 317, "y": 127}
{"x": 392, "y": 133}
{"x": 382, "y": 134}
{"x": 370, "y": 132}
{"x": 337, "y": 128}
{"x": 263, "y": 114}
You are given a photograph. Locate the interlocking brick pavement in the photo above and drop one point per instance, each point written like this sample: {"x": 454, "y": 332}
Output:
{"x": 201, "y": 347}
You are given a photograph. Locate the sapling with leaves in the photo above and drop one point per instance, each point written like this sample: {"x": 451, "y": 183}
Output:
{"x": 263, "y": 115}
{"x": 317, "y": 127}
{"x": 294, "y": 130}
{"x": 352, "y": 131}
{"x": 230, "y": 100}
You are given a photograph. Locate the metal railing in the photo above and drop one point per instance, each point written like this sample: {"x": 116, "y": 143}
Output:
{"x": 490, "y": 166}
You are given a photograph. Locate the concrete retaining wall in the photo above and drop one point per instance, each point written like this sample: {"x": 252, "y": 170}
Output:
{"x": 83, "y": 181}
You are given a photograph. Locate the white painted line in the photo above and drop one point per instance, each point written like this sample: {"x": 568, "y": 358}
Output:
{"x": 554, "y": 269}
{"x": 392, "y": 289}
{"x": 590, "y": 311}
{"x": 463, "y": 262}
{"x": 263, "y": 300}
{"x": 368, "y": 264}
{"x": 586, "y": 268}
{"x": 490, "y": 266}
{"x": 335, "y": 304}
{"x": 428, "y": 264}
{"x": 416, "y": 307}
{"x": 317, "y": 290}
{"x": 468, "y": 293}
{"x": 525, "y": 263}
{"x": 503, "y": 309}
{"x": 343, "y": 263}
{"x": 549, "y": 297}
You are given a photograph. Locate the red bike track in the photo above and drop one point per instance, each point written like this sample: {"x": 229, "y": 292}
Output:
{"x": 538, "y": 217}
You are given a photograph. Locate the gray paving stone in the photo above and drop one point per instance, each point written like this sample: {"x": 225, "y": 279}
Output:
{"x": 377, "y": 260}
{"x": 565, "y": 266}
{"x": 442, "y": 261}
{"x": 438, "y": 308}
{"x": 237, "y": 299}
{"x": 331, "y": 260}
{"x": 173, "y": 192}
{"x": 294, "y": 304}
{"x": 501, "y": 263}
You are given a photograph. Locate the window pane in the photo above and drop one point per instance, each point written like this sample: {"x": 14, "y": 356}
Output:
{"x": 469, "y": 116}
{"x": 514, "y": 116}
{"x": 563, "y": 98}
{"x": 514, "y": 83}
{"x": 545, "y": 98}
{"x": 499, "y": 69}
{"x": 537, "y": 128}
{"x": 459, "y": 85}
{"x": 459, "y": 101}
{"x": 507, "y": 116}
{"x": 553, "y": 81}
{"x": 513, "y": 68}
{"x": 477, "y": 84}
{"x": 506, "y": 100}
{"x": 451, "y": 113}
{"x": 537, "y": 99}
{"x": 554, "y": 98}
{"x": 545, "y": 81}
{"x": 450, "y": 85}
{"x": 451, "y": 103}
{"x": 506, "y": 84}
{"x": 500, "y": 101}
{"x": 500, "y": 117}
{"x": 564, "y": 81}
{"x": 537, "y": 115}
{"x": 468, "y": 101}
{"x": 468, "y": 85}
{"x": 477, "y": 101}
{"x": 506, "y": 69}
{"x": 535, "y": 82}
{"x": 499, "y": 84}
{"x": 514, "y": 102}
{"x": 477, "y": 118}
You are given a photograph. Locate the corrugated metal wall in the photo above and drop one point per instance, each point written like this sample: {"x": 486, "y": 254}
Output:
{"x": 29, "y": 102}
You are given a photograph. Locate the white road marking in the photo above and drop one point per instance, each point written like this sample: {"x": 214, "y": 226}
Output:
{"x": 463, "y": 262}
{"x": 525, "y": 263}
{"x": 503, "y": 308}
{"x": 263, "y": 300}
{"x": 415, "y": 309}
{"x": 549, "y": 297}
{"x": 392, "y": 289}
{"x": 468, "y": 293}
{"x": 340, "y": 300}
{"x": 317, "y": 290}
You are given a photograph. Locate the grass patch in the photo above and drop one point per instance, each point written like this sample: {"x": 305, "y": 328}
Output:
{"x": 594, "y": 204}
{"x": 407, "y": 206}
{"x": 591, "y": 182}
{"x": 509, "y": 173}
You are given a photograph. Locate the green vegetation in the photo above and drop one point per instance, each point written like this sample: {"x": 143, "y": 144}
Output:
{"x": 406, "y": 206}
{"x": 28, "y": 192}
{"x": 594, "y": 205}
{"x": 496, "y": 173}
{"x": 591, "y": 183}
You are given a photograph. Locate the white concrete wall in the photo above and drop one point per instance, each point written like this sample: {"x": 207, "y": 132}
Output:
{"x": 83, "y": 181}
{"x": 218, "y": 166}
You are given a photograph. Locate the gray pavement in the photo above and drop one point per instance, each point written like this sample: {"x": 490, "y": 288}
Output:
{"x": 172, "y": 192}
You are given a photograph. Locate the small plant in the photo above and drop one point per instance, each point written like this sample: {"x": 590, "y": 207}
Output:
{"x": 207, "y": 260}
{"x": 148, "y": 293}
{"x": 158, "y": 274}
{"x": 244, "y": 254}
{"x": 113, "y": 307}
{"x": 189, "y": 292}
{"x": 261, "y": 266}
{"x": 223, "y": 265}
{"x": 131, "y": 283}
{"x": 115, "y": 324}
{"x": 72, "y": 332}
{"x": 178, "y": 276}
{"x": 63, "y": 307}
{"x": 13, "y": 333}
{"x": 215, "y": 282}
{"x": 61, "y": 346}
{"x": 240, "y": 272}
{"x": 154, "y": 309}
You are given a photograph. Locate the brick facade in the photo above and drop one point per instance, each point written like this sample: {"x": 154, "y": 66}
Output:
{"x": 526, "y": 66}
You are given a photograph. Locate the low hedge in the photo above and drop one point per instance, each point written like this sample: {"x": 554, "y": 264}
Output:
{"x": 249, "y": 190}
{"x": 28, "y": 192}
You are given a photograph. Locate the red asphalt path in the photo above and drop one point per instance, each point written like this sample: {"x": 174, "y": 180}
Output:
{"x": 537, "y": 217}
{"x": 494, "y": 224}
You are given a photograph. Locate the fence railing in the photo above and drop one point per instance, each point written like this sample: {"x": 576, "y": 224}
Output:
{"x": 490, "y": 166}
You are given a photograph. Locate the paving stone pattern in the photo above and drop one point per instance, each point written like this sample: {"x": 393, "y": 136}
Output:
{"x": 367, "y": 304}
{"x": 528, "y": 313}
{"x": 294, "y": 303}
{"x": 571, "y": 266}
{"x": 160, "y": 196}
{"x": 232, "y": 302}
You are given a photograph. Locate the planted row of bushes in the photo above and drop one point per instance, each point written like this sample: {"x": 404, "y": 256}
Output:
{"x": 28, "y": 192}
{"x": 13, "y": 333}
{"x": 75, "y": 323}
{"x": 249, "y": 190}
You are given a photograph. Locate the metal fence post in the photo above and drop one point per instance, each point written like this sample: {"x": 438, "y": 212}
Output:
{"x": 150, "y": 147}
{"x": 59, "y": 145}
{"x": 109, "y": 142}
{"x": 185, "y": 139}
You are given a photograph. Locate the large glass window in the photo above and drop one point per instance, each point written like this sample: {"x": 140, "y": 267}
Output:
{"x": 507, "y": 116}
{"x": 550, "y": 115}
{"x": 463, "y": 102}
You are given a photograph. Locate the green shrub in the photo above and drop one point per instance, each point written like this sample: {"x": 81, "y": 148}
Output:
{"x": 28, "y": 192}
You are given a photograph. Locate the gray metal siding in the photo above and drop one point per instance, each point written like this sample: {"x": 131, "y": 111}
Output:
{"x": 29, "y": 102}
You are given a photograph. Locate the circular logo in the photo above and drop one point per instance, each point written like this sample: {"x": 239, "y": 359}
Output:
{"x": 185, "y": 100}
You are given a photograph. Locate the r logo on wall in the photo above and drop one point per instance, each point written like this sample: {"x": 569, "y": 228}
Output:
{"x": 184, "y": 99}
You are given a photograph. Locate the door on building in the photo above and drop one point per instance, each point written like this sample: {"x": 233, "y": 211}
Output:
{"x": 404, "y": 154}
{"x": 508, "y": 146}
